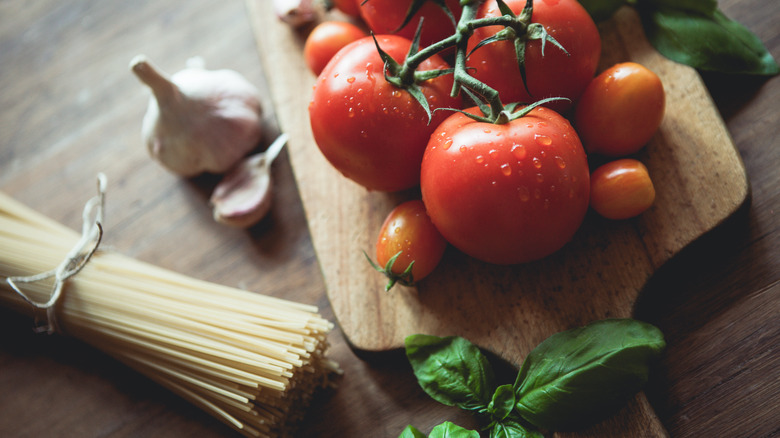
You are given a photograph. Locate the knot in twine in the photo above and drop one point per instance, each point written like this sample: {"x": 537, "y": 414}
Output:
{"x": 75, "y": 260}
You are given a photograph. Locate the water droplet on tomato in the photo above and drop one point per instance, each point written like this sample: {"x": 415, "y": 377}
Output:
{"x": 463, "y": 148}
{"x": 486, "y": 131}
{"x": 539, "y": 177}
{"x": 480, "y": 159}
{"x": 519, "y": 151}
{"x": 493, "y": 154}
{"x": 351, "y": 112}
{"x": 351, "y": 79}
{"x": 523, "y": 193}
{"x": 560, "y": 161}
{"x": 505, "y": 169}
{"x": 396, "y": 93}
{"x": 447, "y": 144}
{"x": 543, "y": 139}
{"x": 537, "y": 163}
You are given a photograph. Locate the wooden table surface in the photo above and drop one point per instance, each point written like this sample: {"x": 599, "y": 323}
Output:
{"x": 71, "y": 108}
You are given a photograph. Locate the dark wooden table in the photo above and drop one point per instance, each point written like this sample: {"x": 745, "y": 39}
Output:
{"x": 71, "y": 109}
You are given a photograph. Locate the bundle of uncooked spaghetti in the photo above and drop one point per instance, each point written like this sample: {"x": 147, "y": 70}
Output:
{"x": 250, "y": 360}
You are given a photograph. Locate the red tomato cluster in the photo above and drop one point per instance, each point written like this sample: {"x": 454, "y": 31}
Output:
{"x": 504, "y": 193}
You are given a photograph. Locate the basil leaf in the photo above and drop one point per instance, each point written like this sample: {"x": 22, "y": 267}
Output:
{"x": 451, "y": 370}
{"x": 707, "y": 42}
{"x": 601, "y": 9}
{"x": 411, "y": 432}
{"x": 503, "y": 402}
{"x": 513, "y": 429}
{"x": 576, "y": 377}
{"x": 452, "y": 430}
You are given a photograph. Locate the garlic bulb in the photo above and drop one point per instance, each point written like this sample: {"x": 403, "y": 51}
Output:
{"x": 243, "y": 197}
{"x": 199, "y": 120}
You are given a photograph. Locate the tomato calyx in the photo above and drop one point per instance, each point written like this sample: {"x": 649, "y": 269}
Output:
{"x": 508, "y": 112}
{"x": 401, "y": 76}
{"x": 405, "y": 278}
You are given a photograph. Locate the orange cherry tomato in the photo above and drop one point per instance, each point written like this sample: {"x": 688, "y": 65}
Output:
{"x": 621, "y": 189}
{"x": 325, "y": 40}
{"x": 620, "y": 110}
{"x": 408, "y": 235}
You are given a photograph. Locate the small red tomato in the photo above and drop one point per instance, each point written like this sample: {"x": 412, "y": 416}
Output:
{"x": 621, "y": 189}
{"x": 325, "y": 40}
{"x": 348, "y": 7}
{"x": 620, "y": 110}
{"x": 410, "y": 240}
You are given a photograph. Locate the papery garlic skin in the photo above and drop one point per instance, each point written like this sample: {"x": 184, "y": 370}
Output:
{"x": 199, "y": 120}
{"x": 296, "y": 13}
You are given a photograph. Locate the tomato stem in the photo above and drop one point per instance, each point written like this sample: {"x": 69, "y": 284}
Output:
{"x": 517, "y": 28}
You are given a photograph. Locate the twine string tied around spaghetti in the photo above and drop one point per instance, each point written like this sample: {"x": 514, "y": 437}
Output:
{"x": 74, "y": 262}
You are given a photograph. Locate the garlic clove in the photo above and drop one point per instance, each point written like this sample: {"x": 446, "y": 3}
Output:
{"x": 243, "y": 197}
{"x": 199, "y": 120}
{"x": 296, "y": 13}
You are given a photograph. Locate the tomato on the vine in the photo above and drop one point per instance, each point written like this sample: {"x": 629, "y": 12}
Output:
{"x": 507, "y": 193}
{"x": 386, "y": 16}
{"x": 408, "y": 247}
{"x": 371, "y": 131}
{"x": 325, "y": 40}
{"x": 621, "y": 189}
{"x": 554, "y": 74}
{"x": 620, "y": 110}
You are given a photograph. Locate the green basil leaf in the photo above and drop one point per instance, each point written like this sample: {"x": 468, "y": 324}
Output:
{"x": 706, "y": 7}
{"x": 579, "y": 376}
{"x": 502, "y": 403}
{"x": 452, "y": 430}
{"x": 451, "y": 370}
{"x": 513, "y": 429}
{"x": 411, "y": 432}
{"x": 707, "y": 42}
{"x": 601, "y": 9}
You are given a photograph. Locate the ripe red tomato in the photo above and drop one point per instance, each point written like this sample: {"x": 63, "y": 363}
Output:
{"x": 409, "y": 231}
{"x": 325, "y": 40}
{"x": 508, "y": 193}
{"x": 621, "y": 189}
{"x": 371, "y": 131}
{"x": 385, "y": 16}
{"x": 555, "y": 74}
{"x": 348, "y": 7}
{"x": 620, "y": 110}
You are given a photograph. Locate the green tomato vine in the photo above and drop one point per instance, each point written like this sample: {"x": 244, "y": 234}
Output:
{"x": 518, "y": 29}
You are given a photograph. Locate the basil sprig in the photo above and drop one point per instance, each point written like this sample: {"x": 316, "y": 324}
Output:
{"x": 695, "y": 33}
{"x": 570, "y": 380}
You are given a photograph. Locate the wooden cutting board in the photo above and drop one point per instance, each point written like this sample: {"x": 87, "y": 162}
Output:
{"x": 700, "y": 181}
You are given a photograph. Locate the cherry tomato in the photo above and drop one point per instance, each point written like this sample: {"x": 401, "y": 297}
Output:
{"x": 371, "y": 131}
{"x": 620, "y": 110}
{"x": 508, "y": 193}
{"x": 409, "y": 238}
{"x": 386, "y": 16}
{"x": 555, "y": 74}
{"x": 621, "y": 189}
{"x": 326, "y": 39}
{"x": 350, "y": 8}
